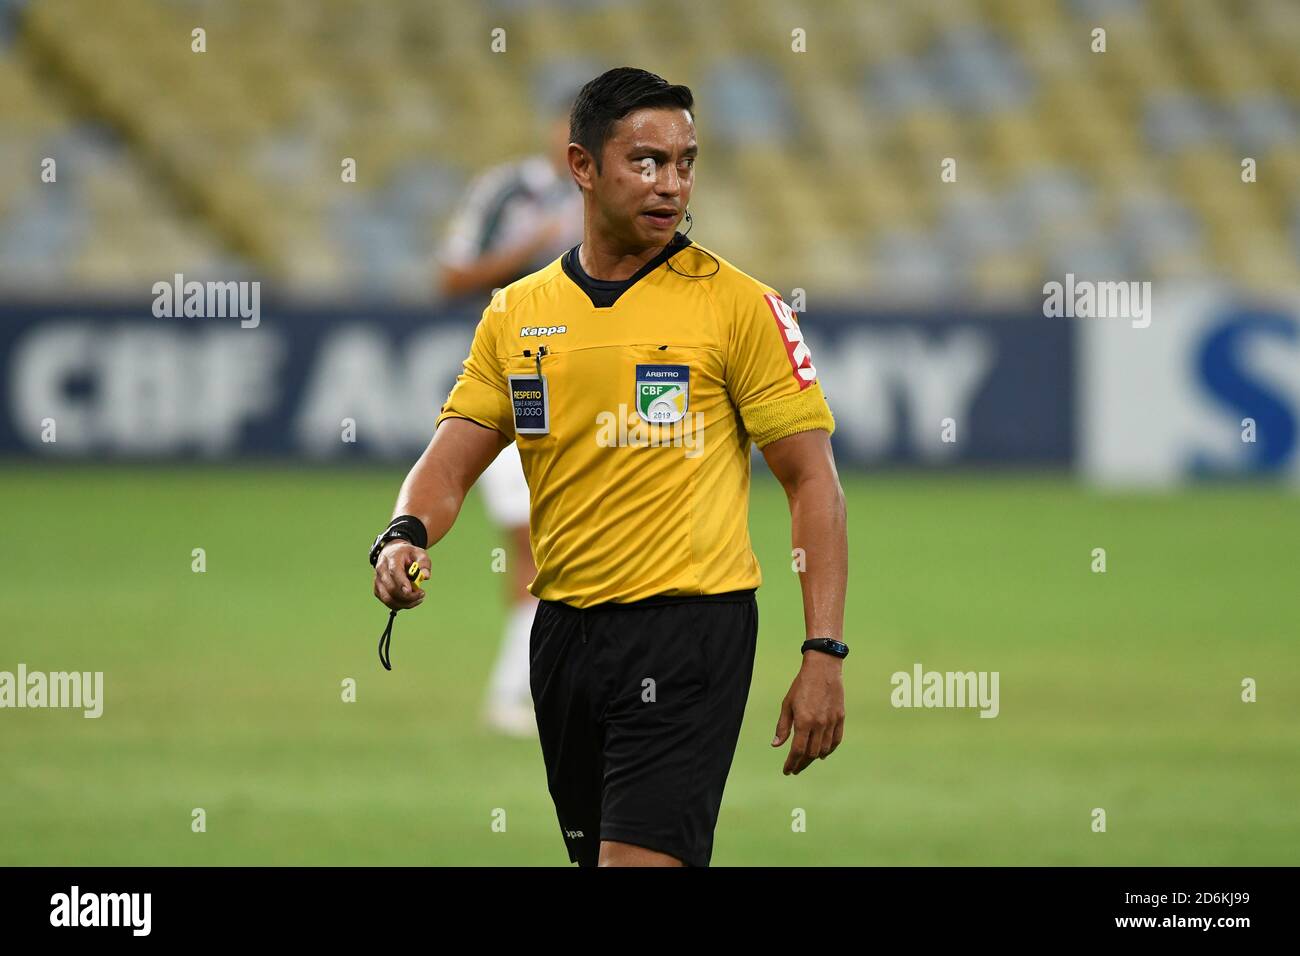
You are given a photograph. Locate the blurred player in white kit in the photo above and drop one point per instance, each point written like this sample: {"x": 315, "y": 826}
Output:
{"x": 515, "y": 219}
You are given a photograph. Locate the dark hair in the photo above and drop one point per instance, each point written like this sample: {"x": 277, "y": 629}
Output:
{"x": 611, "y": 96}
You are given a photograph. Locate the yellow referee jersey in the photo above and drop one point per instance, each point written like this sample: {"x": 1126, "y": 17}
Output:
{"x": 634, "y": 404}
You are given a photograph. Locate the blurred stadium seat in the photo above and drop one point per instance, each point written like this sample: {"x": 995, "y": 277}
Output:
{"x": 820, "y": 169}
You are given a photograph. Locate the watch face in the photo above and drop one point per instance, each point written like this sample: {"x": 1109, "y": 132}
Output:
{"x": 829, "y": 645}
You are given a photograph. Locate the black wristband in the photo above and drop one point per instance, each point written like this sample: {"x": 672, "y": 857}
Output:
{"x": 827, "y": 645}
{"x": 407, "y": 527}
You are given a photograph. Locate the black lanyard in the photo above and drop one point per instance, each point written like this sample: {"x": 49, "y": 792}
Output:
{"x": 386, "y": 638}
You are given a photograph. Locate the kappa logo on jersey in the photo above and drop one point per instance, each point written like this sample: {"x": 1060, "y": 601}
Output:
{"x": 542, "y": 330}
{"x": 795, "y": 347}
{"x": 661, "y": 392}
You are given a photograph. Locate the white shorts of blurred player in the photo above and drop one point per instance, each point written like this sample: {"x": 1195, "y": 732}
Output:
{"x": 505, "y": 490}
{"x": 509, "y": 708}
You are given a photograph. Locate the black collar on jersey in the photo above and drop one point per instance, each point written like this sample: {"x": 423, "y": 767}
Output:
{"x": 605, "y": 292}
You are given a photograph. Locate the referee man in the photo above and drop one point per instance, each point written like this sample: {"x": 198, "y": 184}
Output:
{"x": 633, "y": 373}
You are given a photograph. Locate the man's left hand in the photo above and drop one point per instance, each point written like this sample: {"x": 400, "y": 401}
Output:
{"x": 814, "y": 709}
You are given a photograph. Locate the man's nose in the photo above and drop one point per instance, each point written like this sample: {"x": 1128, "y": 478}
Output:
{"x": 668, "y": 183}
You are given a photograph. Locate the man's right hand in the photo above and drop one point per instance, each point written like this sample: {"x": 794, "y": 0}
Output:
{"x": 392, "y": 585}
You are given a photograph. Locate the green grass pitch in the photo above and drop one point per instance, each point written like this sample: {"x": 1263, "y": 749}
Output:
{"x": 223, "y": 689}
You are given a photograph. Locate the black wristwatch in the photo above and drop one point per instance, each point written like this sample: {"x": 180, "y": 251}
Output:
{"x": 828, "y": 645}
{"x": 407, "y": 527}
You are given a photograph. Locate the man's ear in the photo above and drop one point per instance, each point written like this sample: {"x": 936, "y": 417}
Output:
{"x": 581, "y": 166}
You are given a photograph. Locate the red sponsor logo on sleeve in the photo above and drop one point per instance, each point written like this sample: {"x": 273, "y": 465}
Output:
{"x": 796, "y": 349}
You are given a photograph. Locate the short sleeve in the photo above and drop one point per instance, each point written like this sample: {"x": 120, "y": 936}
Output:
{"x": 480, "y": 393}
{"x": 770, "y": 373}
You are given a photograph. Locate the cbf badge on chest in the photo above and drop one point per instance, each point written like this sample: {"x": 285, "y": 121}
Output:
{"x": 662, "y": 392}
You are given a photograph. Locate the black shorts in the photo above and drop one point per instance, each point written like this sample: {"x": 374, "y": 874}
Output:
{"x": 639, "y": 708}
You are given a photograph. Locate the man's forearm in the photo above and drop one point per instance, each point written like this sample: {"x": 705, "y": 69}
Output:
{"x": 430, "y": 495}
{"x": 491, "y": 270}
{"x": 435, "y": 487}
{"x": 819, "y": 529}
